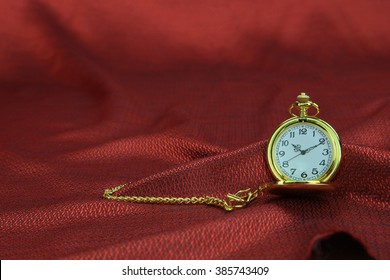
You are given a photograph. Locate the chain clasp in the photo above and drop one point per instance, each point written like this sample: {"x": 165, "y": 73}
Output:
{"x": 240, "y": 198}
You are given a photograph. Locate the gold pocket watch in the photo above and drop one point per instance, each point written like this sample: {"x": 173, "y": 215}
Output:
{"x": 303, "y": 154}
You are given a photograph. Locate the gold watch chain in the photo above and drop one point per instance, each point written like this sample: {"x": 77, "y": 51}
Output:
{"x": 231, "y": 202}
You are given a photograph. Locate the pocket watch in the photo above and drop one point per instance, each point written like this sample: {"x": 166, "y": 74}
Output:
{"x": 304, "y": 152}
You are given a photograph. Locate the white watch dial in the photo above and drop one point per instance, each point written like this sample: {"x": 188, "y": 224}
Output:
{"x": 303, "y": 152}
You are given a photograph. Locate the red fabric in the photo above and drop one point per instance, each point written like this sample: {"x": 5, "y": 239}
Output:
{"x": 180, "y": 98}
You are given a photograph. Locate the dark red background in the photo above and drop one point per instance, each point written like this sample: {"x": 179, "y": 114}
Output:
{"x": 180, "y": 97}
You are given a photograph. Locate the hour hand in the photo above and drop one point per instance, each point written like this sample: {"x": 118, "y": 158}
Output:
{"x": 297, "y": 148}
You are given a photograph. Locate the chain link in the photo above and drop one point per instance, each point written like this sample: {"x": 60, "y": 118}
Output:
{"x": 232, "y": 201}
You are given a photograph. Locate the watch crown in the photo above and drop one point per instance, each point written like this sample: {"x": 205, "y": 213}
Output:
{"x": 303, "y": 104}
{"x": 303, "y": 97}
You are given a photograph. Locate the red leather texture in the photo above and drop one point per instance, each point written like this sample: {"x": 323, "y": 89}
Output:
{"x": 180, "y": 98}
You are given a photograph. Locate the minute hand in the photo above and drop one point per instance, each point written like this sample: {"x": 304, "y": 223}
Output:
{"x": 309, "y": 149}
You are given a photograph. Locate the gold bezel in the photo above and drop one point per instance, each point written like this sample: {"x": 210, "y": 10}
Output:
{"x": 334, "y": 138}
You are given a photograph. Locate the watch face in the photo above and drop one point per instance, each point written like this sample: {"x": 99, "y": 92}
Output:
{"x": 303, "y": 152}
